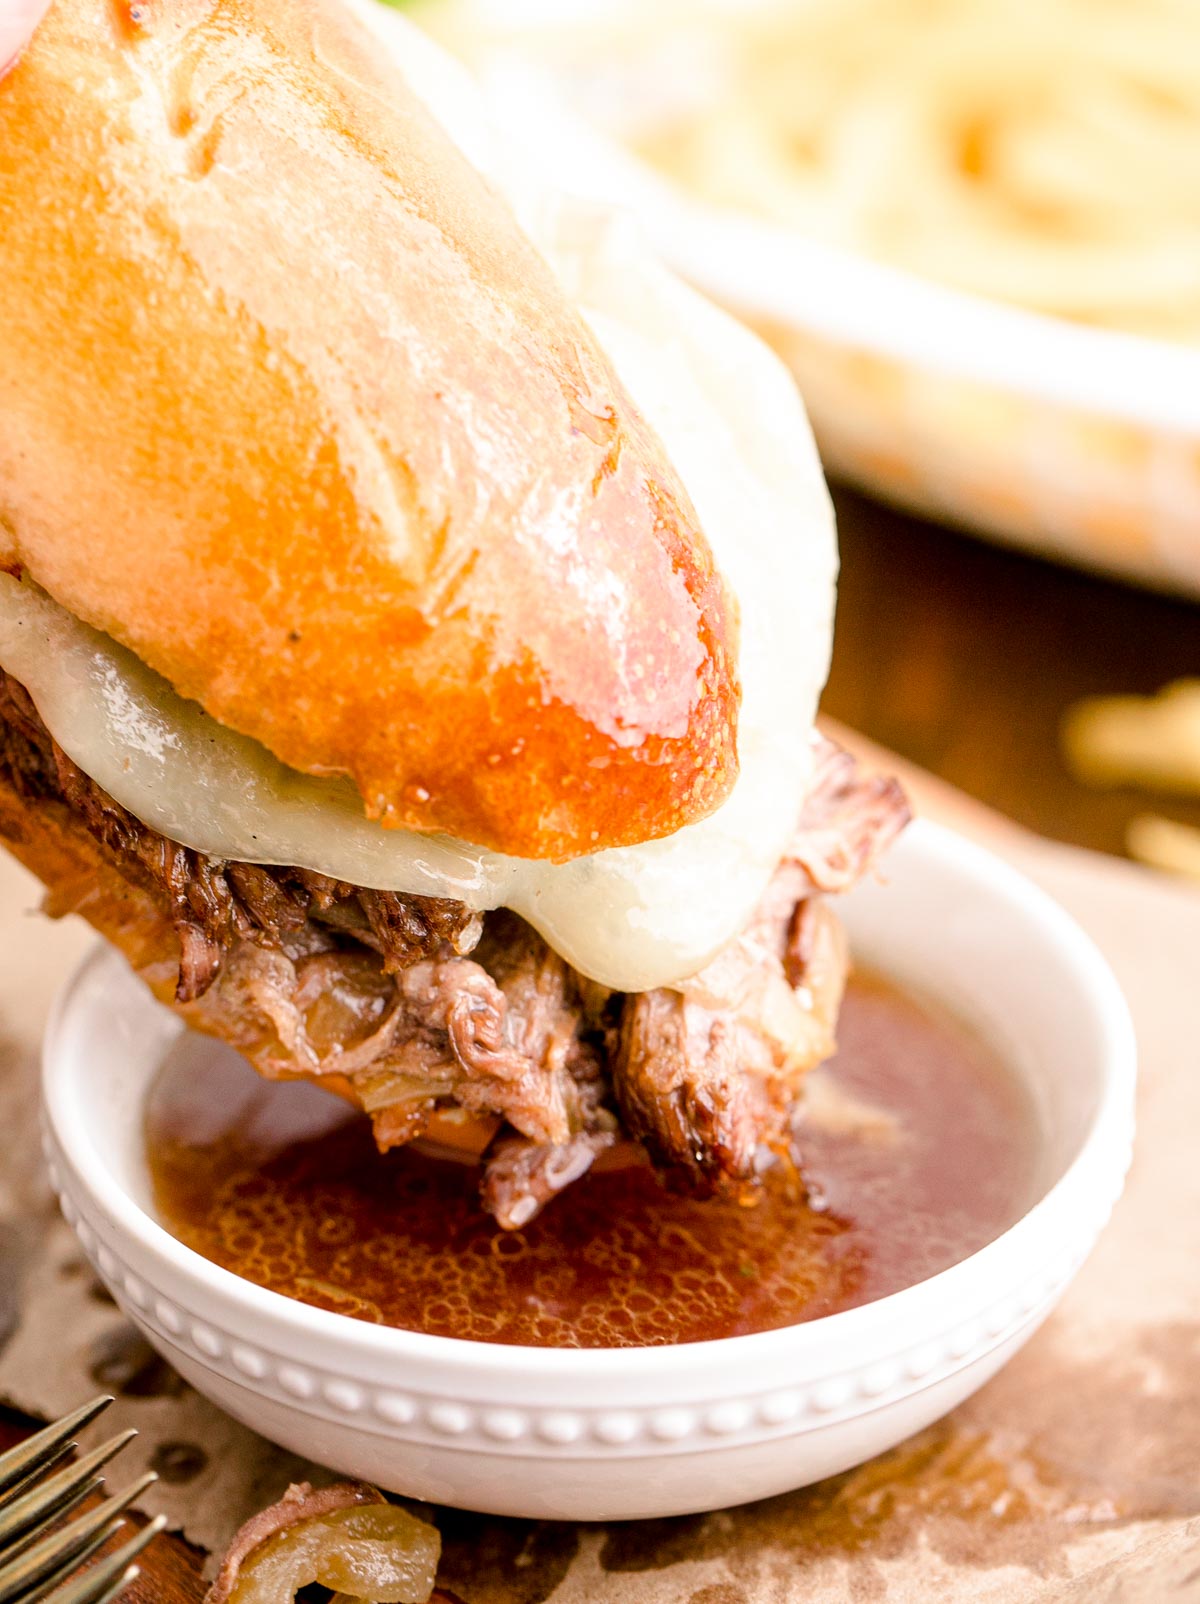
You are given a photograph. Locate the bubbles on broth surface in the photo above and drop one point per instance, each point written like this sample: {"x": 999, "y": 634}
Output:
{"x": 919, "y": 1147}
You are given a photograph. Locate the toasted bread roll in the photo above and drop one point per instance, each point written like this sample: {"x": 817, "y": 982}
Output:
{"x": 291, "y": 407}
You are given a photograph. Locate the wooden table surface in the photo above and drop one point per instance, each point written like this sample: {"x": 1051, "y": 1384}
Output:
{"x": 961, "y": 657}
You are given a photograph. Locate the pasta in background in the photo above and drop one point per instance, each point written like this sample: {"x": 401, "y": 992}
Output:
{"x": 970, "y": 227}
{"x": 1040, "y": 152}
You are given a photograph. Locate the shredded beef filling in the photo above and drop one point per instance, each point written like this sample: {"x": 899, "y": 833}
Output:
{"x": 213, "y": 904}
{"x": 411, "y": 1004}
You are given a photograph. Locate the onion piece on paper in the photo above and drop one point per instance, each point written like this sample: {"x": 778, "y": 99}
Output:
{"x": 347, "y": 1537}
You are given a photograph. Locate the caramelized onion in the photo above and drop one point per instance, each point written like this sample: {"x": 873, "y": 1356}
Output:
{"x": 346, "y": 1537}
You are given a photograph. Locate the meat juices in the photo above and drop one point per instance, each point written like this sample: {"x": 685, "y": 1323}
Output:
{"x": 408, "y": 1004}
{"x": 918, "y": 1148}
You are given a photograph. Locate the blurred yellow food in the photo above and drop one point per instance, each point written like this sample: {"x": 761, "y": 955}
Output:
{"x": 1165, "y": 844}
{"x": 1151, "y": 741}
{"x": 1041, "y": 152}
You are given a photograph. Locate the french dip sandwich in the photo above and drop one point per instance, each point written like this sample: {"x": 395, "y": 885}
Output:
{"x": 414, "y": 604}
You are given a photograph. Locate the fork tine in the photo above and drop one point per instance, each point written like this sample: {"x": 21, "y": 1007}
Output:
{"x": 108, "y": 1596}
{"x": 58, "y": 1512}
{"x": 111, "y": 1576}
{"x": 58, "y": 1556}
{"x": 38, "y": 1473}
{"x": 28, "y": 1457}
{"x": 45, "y": 1501}
{"x": 63, "y": 1571}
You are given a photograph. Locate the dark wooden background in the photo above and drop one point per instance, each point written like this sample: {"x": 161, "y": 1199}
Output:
{"x": 963, "y": 658}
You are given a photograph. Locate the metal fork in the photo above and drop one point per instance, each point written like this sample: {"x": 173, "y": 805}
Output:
{"x": 39, "y": 1548}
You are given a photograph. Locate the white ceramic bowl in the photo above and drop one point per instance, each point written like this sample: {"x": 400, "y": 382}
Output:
{"x": 615, "y": 1434}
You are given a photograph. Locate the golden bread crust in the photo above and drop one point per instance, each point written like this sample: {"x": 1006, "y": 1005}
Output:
{"x": 290, "y": 407}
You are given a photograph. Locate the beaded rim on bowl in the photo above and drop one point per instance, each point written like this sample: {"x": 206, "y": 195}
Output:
{"x": 1030, "y": 1262}
{"x": 436, "y": 1418}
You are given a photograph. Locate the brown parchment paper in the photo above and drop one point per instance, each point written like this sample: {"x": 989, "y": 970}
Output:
{"x": 1074, "y": 1476}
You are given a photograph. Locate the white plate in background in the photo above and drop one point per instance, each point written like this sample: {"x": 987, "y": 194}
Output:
{"x": 1078, "y": 443}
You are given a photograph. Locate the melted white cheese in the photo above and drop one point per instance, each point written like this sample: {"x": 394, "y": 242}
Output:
{"x": 634, "y": 917}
